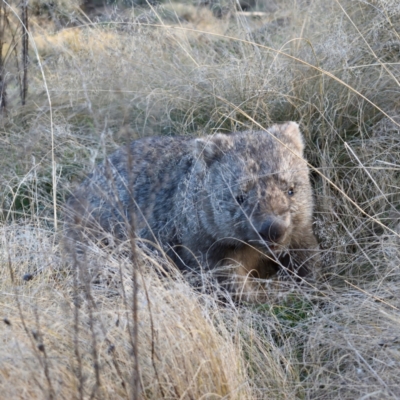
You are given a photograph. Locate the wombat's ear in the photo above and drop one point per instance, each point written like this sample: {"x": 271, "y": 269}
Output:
{"x": 213, "y": 147}
{"x": 291, "y": 136}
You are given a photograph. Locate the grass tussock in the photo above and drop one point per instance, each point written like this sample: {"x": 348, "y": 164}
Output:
{"x": 97, "y": 81}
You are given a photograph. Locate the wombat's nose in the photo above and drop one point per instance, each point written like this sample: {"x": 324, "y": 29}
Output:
{"x": 272, "y": 230}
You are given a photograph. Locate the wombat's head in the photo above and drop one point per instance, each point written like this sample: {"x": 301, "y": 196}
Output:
{"x": 256, "y": 187}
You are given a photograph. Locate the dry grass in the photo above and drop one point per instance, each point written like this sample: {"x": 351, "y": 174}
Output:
{"x": 189, "y": 345}
{"x": 175, "y": 69}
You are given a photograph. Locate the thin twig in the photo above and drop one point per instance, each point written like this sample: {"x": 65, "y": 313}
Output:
{"x": 25, "y": 43}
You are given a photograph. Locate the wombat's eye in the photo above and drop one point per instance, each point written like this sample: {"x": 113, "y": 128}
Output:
{"x": 240, "y": 198}
{"x": 290, "y": 192}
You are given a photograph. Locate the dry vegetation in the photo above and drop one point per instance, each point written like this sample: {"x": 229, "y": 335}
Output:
{"x": 97, "y": 79}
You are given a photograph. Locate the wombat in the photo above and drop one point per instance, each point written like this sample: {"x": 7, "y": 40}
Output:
{"x": 242, "y": 200}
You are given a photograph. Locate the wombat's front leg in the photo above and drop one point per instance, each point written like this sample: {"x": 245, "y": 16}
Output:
{"x": 246, "y": 270}
{"x": 252, "y": 272}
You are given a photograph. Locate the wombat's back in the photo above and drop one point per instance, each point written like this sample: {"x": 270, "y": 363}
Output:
{"x": 140, "y": 179}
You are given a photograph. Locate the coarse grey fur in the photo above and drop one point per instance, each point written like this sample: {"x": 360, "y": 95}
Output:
{"x": 241, "y": 199}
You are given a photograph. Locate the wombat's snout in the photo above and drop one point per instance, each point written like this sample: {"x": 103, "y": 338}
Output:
{"x": 273, "y": 230}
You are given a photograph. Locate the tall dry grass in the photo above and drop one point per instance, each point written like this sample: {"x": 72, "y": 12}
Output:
{"x": 177, "y": 69}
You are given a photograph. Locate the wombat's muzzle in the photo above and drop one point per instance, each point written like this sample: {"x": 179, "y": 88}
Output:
{"x": 273, "y": 230}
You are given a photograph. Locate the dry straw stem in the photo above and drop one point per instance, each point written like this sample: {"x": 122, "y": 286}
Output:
{"x": 54, "y": 165}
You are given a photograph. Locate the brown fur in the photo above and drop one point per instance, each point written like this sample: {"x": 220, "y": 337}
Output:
{"x": 242, "y": 199}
